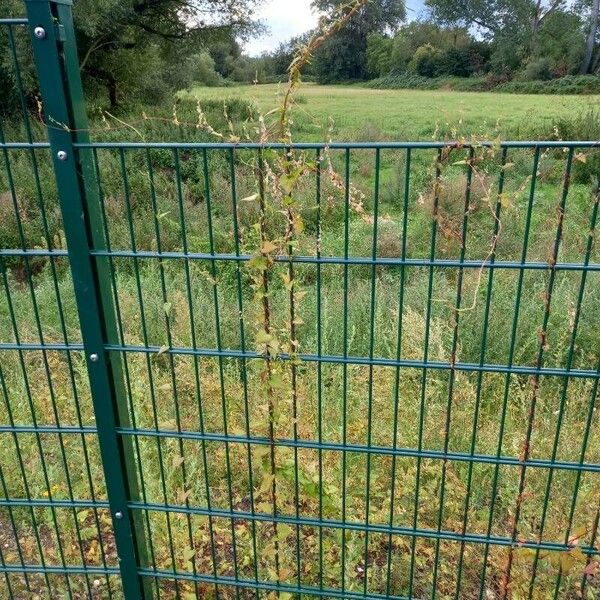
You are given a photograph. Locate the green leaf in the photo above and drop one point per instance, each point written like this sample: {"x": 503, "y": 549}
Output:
{"x": 283, "y": 531}
{"x": 189, "y": 553}
{"x": 288, "y": 182}
{"x": 262, "y": 337}
{"x": 259, "y": 263}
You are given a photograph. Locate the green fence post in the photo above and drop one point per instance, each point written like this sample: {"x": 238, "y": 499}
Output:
{"x": 57, "y": 65}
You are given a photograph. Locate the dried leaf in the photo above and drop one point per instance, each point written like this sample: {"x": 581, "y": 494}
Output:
{"x": 268, "y": 247}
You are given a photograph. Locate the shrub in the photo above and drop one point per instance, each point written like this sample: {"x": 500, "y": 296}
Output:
{"x": 537, "y": 70}
{"x": 495, "y": 79}
{"x": 203, "y": 70}
{"x": 426, "y": 61}
{"x": 572, "y": 84}
{"x": 455, "y": 61}
{"x": 400, "y": 81}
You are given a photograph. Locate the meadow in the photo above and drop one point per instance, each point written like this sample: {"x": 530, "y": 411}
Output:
{"x": 356, "y": 113}
{"x": 388, "y": 448}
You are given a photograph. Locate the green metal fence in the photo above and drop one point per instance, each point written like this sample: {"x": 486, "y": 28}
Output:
{"x": 425, "y": 427}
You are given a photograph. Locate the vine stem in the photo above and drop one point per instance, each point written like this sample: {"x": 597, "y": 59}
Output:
{"x": 267, "y": 374}
{"x": 305, "y": 54}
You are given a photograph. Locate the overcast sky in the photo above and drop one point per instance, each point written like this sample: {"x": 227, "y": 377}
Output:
{"x": 286, "y": 19}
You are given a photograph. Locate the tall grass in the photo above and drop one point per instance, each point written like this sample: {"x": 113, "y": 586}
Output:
{"x": 166, "y": 381}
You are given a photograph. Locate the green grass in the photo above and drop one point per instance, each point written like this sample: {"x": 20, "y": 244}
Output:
{"x": 159, "y": 313}
{"x": 365, "y": 114}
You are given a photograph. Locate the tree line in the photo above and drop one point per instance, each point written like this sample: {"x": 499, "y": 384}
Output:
{"x": 529, "y": 39}
{"x": 132, "y": 50}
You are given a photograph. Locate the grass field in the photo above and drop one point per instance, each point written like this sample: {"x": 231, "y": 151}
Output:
{"x": 366, "y": 114}
{"x": 447, "y": 315}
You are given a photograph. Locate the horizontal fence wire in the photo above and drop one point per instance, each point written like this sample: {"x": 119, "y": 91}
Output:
{"x": 397, "y": 401}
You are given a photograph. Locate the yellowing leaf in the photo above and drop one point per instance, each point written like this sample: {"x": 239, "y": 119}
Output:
{"x": 576, "y": 534}
{"x": 262, "y": 337}
{"x": 268, "y": 247}
{"x": 284, "y": 531}
{"x": 189, "y": 554}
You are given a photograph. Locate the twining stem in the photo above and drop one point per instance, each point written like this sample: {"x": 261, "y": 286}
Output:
{"x": 305, "y": 55}
{"x": 267, "y": 375}
{"x": 294, "y": 342}
{"x": 535, "y": 381}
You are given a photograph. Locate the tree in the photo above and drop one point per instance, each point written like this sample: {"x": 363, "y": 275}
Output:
{"x": 514, "y": 22}
{"x": 379, "y": 54}
{"x": 426, "y": 61}
{"x": 491, "y": 16}
{"x": 414, "y": 35}
{"x": 344, "y": 55}
{"x": 561, "y": 41}
{"x": 586, "y": 64}
{"x": 203, "y": 69}
{"x": 224, "y": 51}
{"x": 129, "y": 47}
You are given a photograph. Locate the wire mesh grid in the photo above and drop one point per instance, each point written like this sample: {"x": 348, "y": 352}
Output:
{"x": 432, "y": 430}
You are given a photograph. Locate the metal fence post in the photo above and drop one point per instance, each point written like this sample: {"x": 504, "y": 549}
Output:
{"x": 57, "y": 65}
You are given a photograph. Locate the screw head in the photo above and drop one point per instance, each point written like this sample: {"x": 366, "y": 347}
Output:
{"x": 118, "y": 515}
{"x": 94, "y": 357}
{"x": 40, "y": 33}
{"x": 61, "y": 155}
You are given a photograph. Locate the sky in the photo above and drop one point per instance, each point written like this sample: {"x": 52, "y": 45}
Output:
{"x": 287, "y": 18}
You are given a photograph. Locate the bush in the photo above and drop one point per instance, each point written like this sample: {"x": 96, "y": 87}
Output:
{"x": 203, "y": 70}
{"x": 456, "y": 62}
{"x": 401, "y": 81}
{"x": 407, "y": 81}
{"x": 426, "y": 61}
{"x": 493, "y": 80}
{"x": 572, "y": 84}
{"x": 537, "y": 70}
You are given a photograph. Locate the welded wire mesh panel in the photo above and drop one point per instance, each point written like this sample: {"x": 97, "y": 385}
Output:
{"x": 338, "y": 371}
{"x": 358, "y": 370}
